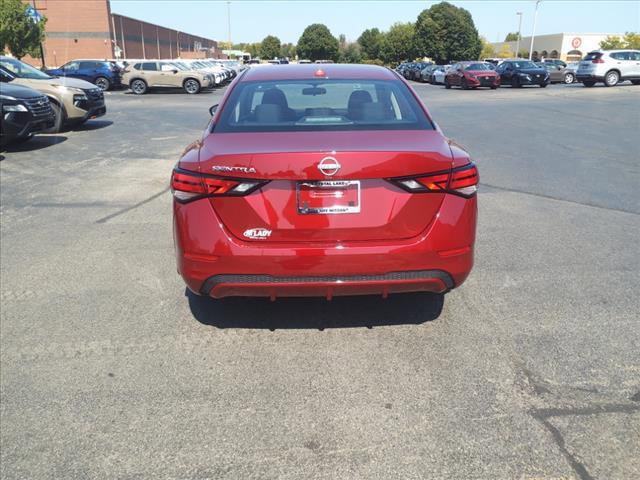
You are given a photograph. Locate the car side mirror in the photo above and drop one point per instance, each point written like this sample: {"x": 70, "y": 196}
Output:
{"x": 213, "y": 109}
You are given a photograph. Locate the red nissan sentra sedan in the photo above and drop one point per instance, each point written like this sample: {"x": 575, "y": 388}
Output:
{"x": 472, "y": 75}
{"x": 323, "y": 181}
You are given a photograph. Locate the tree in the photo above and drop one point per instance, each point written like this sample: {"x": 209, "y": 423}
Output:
{"x": 447, "y": 33}
{"x": 350, "y": 54}
{"x": 317, "y": 43}
{"x": 398, "y": 44}
{"x": 270, "y": 47}
{"x": 629, "y": 40}
{"x": 512, "y": 37}
{"x": 288, "y": 50}
{"x": 18, "y": 32}
{"x": 369, "y": 42}
{"x": 487, "y": 49}
{"x": 611, "y": 43}
{"x": 505, "y": 51}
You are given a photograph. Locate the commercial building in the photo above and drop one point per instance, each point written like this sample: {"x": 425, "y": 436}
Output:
{"x": 570, "y": 47}
{"x": 88, "y": 29}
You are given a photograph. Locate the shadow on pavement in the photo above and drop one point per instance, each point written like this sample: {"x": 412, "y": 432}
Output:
{"x": 92, "y": 125}
{"x": 35, "y": 143}
{"x": 316, "y": 313}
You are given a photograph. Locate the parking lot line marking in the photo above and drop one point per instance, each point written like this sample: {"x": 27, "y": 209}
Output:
{"x": 132, "y": 207}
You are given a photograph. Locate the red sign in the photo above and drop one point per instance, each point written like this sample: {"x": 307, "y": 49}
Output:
{"x": 576, "y": 42}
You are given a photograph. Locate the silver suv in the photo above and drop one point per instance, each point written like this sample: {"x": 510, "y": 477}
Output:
{"x": 610, "y": 67}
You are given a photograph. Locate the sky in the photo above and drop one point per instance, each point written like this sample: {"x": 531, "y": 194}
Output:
{"x": 252, "y": 20}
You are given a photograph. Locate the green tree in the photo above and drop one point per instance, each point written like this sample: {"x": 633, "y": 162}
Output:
{"x": 512, "y": 37}
{"x": 505, "y": 51}
{"x": 611, "y": 43}
{"x": 351, "y": 53}
{"x": 317, "y": 43}
{"x": 18, "y": 32}
{"x": 288, "y": 50}
{"x": 270, "y": 47}
{"x": 253, "y": 49}
{"x": 629, "y": 40}
{"x": 447, "y": 33}
{"x": 398, "y": 44}
{"x": 487, "y": 49}
{"x": 369, "y": 42}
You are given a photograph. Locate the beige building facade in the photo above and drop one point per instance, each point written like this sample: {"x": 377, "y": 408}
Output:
{"x": 569, "y": 47}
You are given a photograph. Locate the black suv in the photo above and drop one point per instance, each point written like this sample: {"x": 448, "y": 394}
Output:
{"x": 23, "y": 112}
{"x": 522, "y": 72}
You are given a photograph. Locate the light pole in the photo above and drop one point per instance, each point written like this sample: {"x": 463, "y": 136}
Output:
{"x": 229, "y": 22}
{"x": 533, "y": 34}
{"x": 519, "y": 30}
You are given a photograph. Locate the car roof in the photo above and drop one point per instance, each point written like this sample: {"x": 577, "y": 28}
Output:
{"x": 308, "y": 71}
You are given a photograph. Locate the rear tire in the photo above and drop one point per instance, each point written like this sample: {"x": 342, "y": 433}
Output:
{"x": 102, "y": 83}
{"x": 59, "y": 118}
{"x": 543, "y": 85}
{"x": 612, "y": 78}
{"x": 139, "y": 87}
{"x": 191, "y": 86}
{"x": 588, "y": 83}
{"x": 463, "y": 84}
{"x": 569, "y": 78}
{"x": 515, "y": 82}
{"x": 635, "y": 82}
{"x": 447, "y": 85}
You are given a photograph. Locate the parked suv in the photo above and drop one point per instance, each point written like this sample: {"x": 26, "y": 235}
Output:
{"x": 23, "y": 112}
{"x": 522, "y": 72}
{"x": 142, "y": 76}
{"x": 104, "y": 74}
{"x": 610, "y": 67}
{"x": 73, "y": 101}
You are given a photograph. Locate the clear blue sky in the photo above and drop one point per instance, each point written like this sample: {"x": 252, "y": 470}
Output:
{"x": 252, "y": 20}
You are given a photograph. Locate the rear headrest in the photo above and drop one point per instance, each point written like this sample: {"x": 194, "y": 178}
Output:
{"x": 275, "y": 96}
{"x": 357, "y": 98}
{"x": 268, "y": 113}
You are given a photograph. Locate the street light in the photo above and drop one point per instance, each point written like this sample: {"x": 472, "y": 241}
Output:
{"x": 518, "y": 39}
{"x": 533, "y": 34}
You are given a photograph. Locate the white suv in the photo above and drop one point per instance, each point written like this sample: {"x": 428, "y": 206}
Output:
{"x": 610, "y": 67}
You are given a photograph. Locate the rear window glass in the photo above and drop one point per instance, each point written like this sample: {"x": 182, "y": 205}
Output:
{"x": 321, "y": 105}
{"x": 592, "y": 56}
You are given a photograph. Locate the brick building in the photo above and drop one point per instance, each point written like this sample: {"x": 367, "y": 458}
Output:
{"x": 88, "y": 29}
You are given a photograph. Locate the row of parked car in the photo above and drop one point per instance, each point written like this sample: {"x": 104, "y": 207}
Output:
{"x": 607, "y": 66}
{"x": 191, "y": 75}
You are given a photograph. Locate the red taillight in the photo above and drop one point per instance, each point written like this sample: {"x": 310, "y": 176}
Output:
{"x": 597, "y": 60}
{"x": 187, "y": 186}
{"x": 459, "y": 181}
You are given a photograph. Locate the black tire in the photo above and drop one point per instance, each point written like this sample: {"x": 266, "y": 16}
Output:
{"x": 191, "y": 86}
{"x": 515, "y": 82}
{"x": 447, "y": 85}
{"x": 493, "y": 87}
{"x": 103, "y": 83}
{"x": 463, "y": 84}
{"x": 635, "y": 82}
{"x": 611, "y": 78}
{"x": 543, "y": 85}
{"x": 589, "y": 83}
{"x": 569, "y": 78}
{"x": 138, "y": 86}
{"x": 59, "y": 118}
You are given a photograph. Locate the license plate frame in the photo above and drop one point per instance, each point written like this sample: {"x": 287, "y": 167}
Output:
{"x": 335, "y": 185}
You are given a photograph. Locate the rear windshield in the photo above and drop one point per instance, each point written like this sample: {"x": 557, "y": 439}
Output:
{"x": 592, "y": 56}
{"x": 321, "y": 105}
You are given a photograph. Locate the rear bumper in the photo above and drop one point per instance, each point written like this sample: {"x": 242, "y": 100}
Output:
{"x": 214, "y": 262}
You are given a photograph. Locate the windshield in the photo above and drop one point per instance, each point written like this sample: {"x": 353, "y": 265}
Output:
{"x": 477, "y": 66}
{"x": 22, "y": 70}
{"x": 525, "y": 65}
{"x": 303, "y": 105}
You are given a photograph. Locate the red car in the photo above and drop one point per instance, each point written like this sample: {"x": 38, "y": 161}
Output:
{"x": 472, "y": 75}
{"x": 323, "y": 181}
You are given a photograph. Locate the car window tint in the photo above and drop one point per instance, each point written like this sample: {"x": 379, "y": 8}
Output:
{"x": 302, "y": 105}
{"x": 150, "y": 66}
{"x": 87, "y": 65}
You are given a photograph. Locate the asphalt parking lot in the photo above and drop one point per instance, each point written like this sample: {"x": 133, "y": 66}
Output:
{"x": 530, "y": 370}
